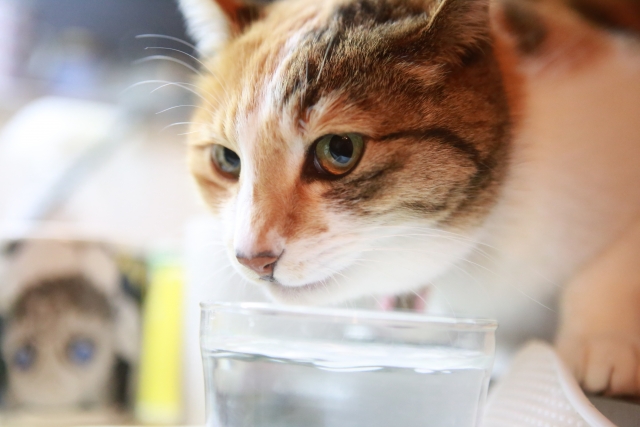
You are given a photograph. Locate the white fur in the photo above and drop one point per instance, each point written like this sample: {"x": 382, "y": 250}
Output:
{"x": 206, "y": 24}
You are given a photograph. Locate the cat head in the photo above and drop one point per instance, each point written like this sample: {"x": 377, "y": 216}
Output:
{"x": 350, "y": 147}
{"x": 59, "y": 344}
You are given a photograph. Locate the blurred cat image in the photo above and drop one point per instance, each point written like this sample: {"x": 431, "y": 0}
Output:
{"x": 375, "y": 147}
{"x": 68, "y": 329}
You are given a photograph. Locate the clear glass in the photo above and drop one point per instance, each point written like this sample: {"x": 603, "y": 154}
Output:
{"x": 280, "y": 366}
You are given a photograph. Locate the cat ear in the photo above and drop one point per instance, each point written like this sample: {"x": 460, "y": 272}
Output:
{"x": 212, "y": 23}
{"x": 457, "y": 25}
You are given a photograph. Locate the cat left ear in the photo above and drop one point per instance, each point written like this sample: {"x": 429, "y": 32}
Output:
{"x": 457, "y": 25}
{"x": 212, "y": 23}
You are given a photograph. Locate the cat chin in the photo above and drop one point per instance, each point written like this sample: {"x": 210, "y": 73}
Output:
{"x": 321, "y": 293}
{"x": 336, "y": 290}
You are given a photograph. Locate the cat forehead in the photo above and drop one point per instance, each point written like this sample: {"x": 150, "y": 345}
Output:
{"x": 298, "y": 62}
{"x": 343, "y": 46}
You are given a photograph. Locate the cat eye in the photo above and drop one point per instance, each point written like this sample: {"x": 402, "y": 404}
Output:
{"x": 81, "y": 351}
{"x": 338, "y": 154}
{"x": 226, "y": 161}
{"x": 25, "y": 357}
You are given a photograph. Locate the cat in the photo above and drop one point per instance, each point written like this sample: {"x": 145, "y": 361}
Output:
{"x": 68, "y": 327}
{"x": 374, "y": 147}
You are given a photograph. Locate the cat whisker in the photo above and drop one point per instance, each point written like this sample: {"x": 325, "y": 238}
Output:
{"x": 447, "y": 301}
{"x": 187, "y": 85}
{"x": 414, "y": 236}
{"x": 534, "y": 271}
{"x": 306, "y": 80}
{"x": 144, "y": 82}
{"x": 163, "y": 36}
{"x": 202, "y": 64}
{"x": 484, "y": 253}
{"x": 475, "y": 282}
{"x": 213, "y": 274}
{"x": 427, "y": 252}
{"x": 437, "y": 231}
{"x": 167, "y": 58}
{"x": 420, "y": 297}
{"x": 180, "y": 124}
{"x": 218, "y": 247}
{"x": 376, "y": 300}
{"x": 458, "y": 267}
{"x": 226, "y": 277}
{"x": 418, "y": 235}
{"x": 233, "y": 292}
{"x": 216, "y": 251}
{"x": 222, "y": 86}
{"x": 333, "y": 273}
{"x": 182, "y": 106}
{"x": 475, "y": 249}
{"x": 324, "y": 59}
{"x": 165, "y": 83}
{"x": 325, "y": 286}
{"x": 466, "y": 260}
{"x": 508, "y": 283}
{"x": 452, "y": 311}
{"x": 419, "y": 227}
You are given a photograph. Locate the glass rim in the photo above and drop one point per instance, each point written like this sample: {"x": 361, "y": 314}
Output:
{"x": 332, "y": 313}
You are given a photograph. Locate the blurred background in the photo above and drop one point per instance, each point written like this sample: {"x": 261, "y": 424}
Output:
{"x": 98, "y": 215}
{"x": 76, "y": 70}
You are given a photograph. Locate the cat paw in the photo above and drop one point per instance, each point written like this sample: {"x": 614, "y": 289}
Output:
{"x": 606, "y": 364}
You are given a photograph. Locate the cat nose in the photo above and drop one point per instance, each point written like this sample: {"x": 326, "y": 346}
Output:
{"x": 263, "y": 264}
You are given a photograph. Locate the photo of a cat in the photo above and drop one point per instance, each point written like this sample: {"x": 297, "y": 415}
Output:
{"x": 358, "y": 148}
{"x": 69, "y": 306}
{"x": 457, "y": 159}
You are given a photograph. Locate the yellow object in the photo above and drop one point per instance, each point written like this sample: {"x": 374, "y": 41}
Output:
{"x": 159, "y": 386}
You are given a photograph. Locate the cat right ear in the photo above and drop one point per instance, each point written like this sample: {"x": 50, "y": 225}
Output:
{"x": 212, "y": 23}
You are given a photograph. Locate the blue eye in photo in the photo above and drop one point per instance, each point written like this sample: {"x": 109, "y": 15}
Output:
{"x": 81, "y": 351}
{"x": 25, "y": 357}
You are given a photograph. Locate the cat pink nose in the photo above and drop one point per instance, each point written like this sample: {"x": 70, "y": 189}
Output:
{"x": 263, "y": 264}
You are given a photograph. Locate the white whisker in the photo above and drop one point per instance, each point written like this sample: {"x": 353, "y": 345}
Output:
{"x": 324, "y": 59}
{"x": 181, "y": 123}
{"x": 162, "y": 36}
{"x": 181, "y": 106}
{"x": 202, "y": 64}
{"x": 165, "y": 83}
{"x": 166, "y": 58}
{"x": 185, "y": 86}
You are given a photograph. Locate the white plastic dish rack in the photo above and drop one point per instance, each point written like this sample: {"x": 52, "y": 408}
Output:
{"x": 538, "y": 391}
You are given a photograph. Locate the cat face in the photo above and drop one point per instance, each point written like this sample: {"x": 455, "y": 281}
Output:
{"x": 60, "y": 344}
{"x": 350, "y": 147}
